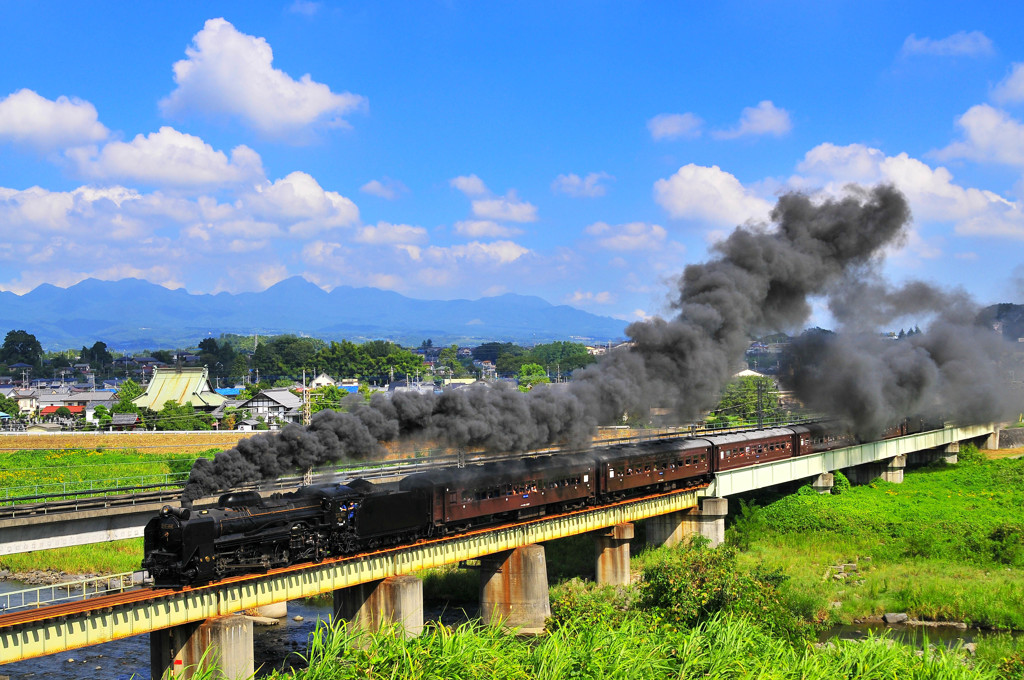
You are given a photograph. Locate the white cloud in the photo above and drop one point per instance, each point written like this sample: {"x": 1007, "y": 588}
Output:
{"x": 231, "y": 73}
{"x": 580, "y": 296}
{"x": 1010, "y": 89}
{"x": 385, "y": 233}
{"x": 471, "y": 185}
{"x": 386, "y": 188}
{"x": 573, "y": 185}
{"x": 632, "y": 236}
{"x": 169, "y": 157}
{"x": 990, "y": 135}
{"x": 301, "y": 203}
{"x": 304, "y": 7}
{"x": 675, "y": 126}
{"x": 852, "y": 163}
{"x": 500, "y": 252}
{"x": 932, "y": 193}
{"x": 763, "y": 119}
{"x": 484, "y": 229}
{"x": 505, "y": 208}
{"x": 702, "y": 193}
{"x": 962, "y": 43}
{"x": 29, "y": 119}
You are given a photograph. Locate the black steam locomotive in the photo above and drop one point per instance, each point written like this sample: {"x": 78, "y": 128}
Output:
{"x": 247, "y": 533}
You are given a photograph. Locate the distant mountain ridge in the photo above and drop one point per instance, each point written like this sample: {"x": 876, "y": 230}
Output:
{"x": 132, "y": 314}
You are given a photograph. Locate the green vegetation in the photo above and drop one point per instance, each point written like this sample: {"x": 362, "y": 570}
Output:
{"x": 740, "y": 399}
{"x": 115, "y": 557}
{"x": 600, "y": 633}
{"x": 25, "y": 473}
{"x": 530, "y": 375}
{"x": 947, "y": 544}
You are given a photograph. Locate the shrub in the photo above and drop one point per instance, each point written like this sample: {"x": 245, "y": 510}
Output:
{"x": 840, "y": 483}
{"x": 692, "y": 585}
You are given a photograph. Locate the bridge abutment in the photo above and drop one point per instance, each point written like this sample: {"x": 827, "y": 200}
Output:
{"x": 611, "y": 550}
{"x": 189, "y": 649}
{"x": 375, "y": 604}
{"x": 514, "y": 589}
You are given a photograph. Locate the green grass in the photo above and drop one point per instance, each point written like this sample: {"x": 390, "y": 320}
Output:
{"x": 114, "y": 557}
{"x": 947, "y": 544}
{"x": 49, "y": 472}
{"x": 638, "y": 647}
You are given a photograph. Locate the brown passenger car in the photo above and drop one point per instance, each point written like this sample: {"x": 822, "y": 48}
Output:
{"x": 479, "y": 494}
{"x": 751, "y": 448}
{"x": 661, "y": 465}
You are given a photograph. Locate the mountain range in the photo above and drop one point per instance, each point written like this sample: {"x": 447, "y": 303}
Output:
{"x": 132, "y": 315}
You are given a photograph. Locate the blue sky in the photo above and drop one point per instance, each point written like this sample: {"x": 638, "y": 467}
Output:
{"x": 584, "y": 152}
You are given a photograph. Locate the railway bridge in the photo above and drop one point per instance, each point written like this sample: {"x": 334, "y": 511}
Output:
{"x": 379, "y": 587}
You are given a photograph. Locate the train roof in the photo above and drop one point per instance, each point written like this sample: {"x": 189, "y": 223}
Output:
{"x": 679, "y": 444}
{"x": 753, "y": 435}
{"x": 499, "y": 472}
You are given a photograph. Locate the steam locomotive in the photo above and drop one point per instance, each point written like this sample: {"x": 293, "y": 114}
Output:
{"x": 248, "y": 533}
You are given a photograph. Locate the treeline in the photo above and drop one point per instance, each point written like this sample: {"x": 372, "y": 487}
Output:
{"x": 235, "y": 359}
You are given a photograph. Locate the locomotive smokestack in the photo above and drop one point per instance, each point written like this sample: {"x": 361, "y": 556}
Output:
{"x": 760, "y": 280}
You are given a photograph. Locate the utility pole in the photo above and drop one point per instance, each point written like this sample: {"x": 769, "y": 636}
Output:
{"x": 760, "y": 404}
{"x": 307, "y": 409}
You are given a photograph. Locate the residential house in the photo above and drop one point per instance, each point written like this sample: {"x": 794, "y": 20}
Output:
{"x": 275, "y": 405}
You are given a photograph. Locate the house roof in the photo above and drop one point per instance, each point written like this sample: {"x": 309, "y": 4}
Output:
{"x": 50, "y": 410}
{"x": 280, "y": 395}
{"x": 179, "y": 385}
{"x": 119, "y": 419}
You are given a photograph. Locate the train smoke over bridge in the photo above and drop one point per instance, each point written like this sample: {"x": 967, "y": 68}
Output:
{"x": 761, "y": 279}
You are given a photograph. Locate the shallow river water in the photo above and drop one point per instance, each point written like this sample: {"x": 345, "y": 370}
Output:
{"x": 273, "y": 647}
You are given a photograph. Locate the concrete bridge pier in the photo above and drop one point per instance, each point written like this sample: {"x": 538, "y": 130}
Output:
{"x": 184, "y": 651}
{"x": 890, "y": 470}
{"x": 665, "y": 530}
{"x": 611, "y": 548}
{"x": 375, "y": 604}
{"x": 514, "y": 589}
{"x": 823, "y": 483}
{"x": 948, "y": 453}
{"x": 707, "y": 520}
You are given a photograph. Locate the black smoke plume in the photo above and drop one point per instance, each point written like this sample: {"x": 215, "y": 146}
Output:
{"x": 760, "y": 279}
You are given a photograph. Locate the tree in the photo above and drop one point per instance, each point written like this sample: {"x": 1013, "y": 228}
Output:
{"x": 9, "y": 406}
{"x": 21, "y": 347}
{"x": 175, "y": 416}
{"x": 563, "y": 357}
{"x": 97, "y": 355}
{"x": 530, "y": 375}
{"x": 128, "y": 390}
{"x": 510, "y": 359}
{"x": 344, "y": 359}
{"x": 102, "y": 416}
{"x": 740, "y": 398}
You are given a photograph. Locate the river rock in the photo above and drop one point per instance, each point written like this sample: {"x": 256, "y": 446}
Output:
{"x": 895, "y": 618}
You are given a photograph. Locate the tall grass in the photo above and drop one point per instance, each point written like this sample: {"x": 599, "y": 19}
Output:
{"x": 947, "y": 544}
{"x": 639, "y": 647}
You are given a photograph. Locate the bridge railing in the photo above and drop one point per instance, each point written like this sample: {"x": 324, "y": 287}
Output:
{"x": 68, "y": 591}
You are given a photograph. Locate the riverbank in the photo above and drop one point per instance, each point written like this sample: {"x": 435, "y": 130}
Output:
{"x": 945, "y": 545}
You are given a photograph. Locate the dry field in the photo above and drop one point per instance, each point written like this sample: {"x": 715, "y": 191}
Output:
{"x": 185, "y": 442}
{"x": 146, "y": 442}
